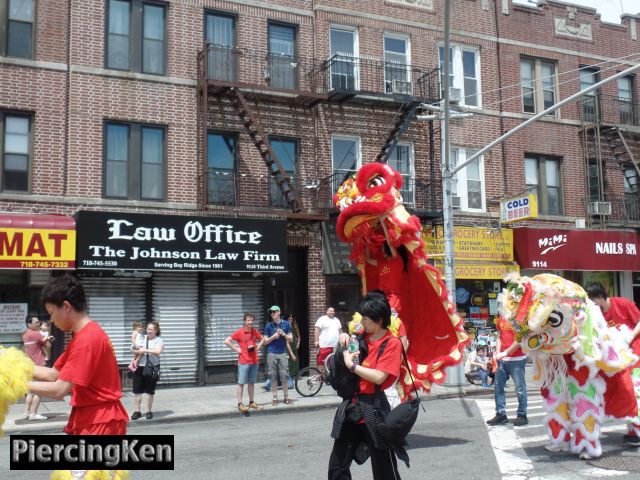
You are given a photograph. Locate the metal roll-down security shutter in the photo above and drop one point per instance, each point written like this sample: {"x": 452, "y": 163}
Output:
{"x": 225, "y": 302}
{"x": 175, "y": 307}
{"x": 115, "y": 303}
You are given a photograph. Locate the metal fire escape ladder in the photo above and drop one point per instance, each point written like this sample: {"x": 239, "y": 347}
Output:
{"x": 628, "y": 151}
{"x": 403, "y": 119}
{"x": 262, "y": 144}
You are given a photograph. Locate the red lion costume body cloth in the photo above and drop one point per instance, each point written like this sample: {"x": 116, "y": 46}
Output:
{"x": 390, "y": 255}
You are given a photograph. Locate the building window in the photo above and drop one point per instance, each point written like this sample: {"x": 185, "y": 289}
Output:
{"x": 343, "y": 44}
{"x": 594, "y": 182}
{"x": 286, "y": 151}
{"x": 345, "y": 158}
{"x": 401, "y": 158}
{"x": 468, "y": 183}
{"x": 397, "y": 64}
{"x": 135, "y": 161}
{"x": 18, "y": 18}
{"x": 136, "y": 36}
{"x": 220, "y": 32}
{"x": 626, "y": 102}
{"x": 16, "y": 152}
{"x": 283, "y": 65}
{"x": 542, "y": 177}
{"x": 590, "y": 101}
{"x": 538, "y": 84}
{"x": 221, "y": 168}
{"x": 464, "y": 74}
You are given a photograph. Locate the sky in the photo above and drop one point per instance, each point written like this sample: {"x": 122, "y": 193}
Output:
{"x": 610, "y": 10}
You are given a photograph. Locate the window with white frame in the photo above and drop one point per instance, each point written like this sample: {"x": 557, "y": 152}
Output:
{"x": 537, "y": 78}
{"x": 345, "y": 158}
{"x": 464, "y": 74}
{"x": 468, "y": 183}
{"x": 401, "y": 158}
{"x": 397, "y": 64}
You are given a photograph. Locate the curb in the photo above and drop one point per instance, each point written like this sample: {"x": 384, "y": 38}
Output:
{"x": 57, "y": 427}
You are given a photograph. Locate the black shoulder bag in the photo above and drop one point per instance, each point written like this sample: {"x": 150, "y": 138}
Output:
{"x": 397, "y": 424}
{"x": 149, "y": 370}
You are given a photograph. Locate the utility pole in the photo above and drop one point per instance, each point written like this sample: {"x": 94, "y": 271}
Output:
{"x": 447, "y": 176}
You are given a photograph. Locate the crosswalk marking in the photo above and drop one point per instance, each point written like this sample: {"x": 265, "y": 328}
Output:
{"x": 513, "y": 461}
{"x": 509, "y": 444}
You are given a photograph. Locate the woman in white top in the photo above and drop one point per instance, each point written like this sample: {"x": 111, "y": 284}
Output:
{"x": 147, "y": 348}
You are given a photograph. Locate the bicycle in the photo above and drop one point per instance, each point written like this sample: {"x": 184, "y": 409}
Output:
{"x": 310, "y": 380}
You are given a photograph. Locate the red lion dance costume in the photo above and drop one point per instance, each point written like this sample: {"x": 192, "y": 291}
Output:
{"x": 390, "y": 255}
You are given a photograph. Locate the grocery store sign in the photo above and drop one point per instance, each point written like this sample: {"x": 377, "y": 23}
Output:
{"x": 471, "y": 243}
{"x": 125, "y": 241}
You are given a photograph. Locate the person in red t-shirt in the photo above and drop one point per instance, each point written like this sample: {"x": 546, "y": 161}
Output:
{"x": 618, "y": 311}
{"x": 34, "y": 344}
{"x": 87, "y": 369}
{"x": 511, "y": 362}
{"x": 376, "y": 372}
{"x": 248, "y": 341}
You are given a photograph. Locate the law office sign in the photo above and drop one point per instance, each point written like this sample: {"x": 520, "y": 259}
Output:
{"x": 127, "y": 241}
{"x": 518, "y": 208}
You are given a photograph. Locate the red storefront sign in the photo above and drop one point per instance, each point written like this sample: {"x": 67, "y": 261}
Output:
{"x": 551, "y": 249}
{"x": 37, "y": 242}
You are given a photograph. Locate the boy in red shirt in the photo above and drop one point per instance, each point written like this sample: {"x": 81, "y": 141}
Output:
{"x": 511, "y": 362}
{"x": 87, "y": 369}
{"x": 618, "y": 311}
{"x": 249, "y": 341}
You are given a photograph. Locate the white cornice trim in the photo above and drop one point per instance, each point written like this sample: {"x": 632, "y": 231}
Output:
{"x": 105, "y": 72}
{"x": 258, "y": 4}
{"x": 25, "y": 62}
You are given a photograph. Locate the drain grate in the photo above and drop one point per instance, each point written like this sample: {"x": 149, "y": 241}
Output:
{"x": 617, "y": 462}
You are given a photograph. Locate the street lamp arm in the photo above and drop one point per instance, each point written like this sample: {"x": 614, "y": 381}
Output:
{"x": 538, "y": 116}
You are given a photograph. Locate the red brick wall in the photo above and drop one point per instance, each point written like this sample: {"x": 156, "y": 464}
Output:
{"x": 68, "y": 130}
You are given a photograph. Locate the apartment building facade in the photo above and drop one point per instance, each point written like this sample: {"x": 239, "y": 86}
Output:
{"x": 177, "y": 134}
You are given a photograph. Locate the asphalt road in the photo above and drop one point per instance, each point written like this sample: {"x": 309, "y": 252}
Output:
{"x": 449, "y": 441}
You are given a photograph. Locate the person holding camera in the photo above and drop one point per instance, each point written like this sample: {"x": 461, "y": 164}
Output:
{"x": 248, "y": 341}
{"x": 148, "y": 349}
{"x": 276, "y": 335}
{"x": 34, "y": 347}
{"x": 354, "y": 425}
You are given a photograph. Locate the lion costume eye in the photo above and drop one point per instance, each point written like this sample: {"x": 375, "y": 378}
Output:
{"x": 376, "y": 181}
{"x": 555, "y": 319}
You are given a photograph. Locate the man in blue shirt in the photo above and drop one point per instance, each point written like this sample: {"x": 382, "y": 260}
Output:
{"x": 276, "y": 335}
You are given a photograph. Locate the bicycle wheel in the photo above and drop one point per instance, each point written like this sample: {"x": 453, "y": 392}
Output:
{"x": 308, "y": 381}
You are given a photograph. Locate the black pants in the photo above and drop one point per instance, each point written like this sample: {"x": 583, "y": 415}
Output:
{"x": 383, "y": 462}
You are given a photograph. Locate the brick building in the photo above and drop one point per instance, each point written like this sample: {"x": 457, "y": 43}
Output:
{"x": 249, "y": 114}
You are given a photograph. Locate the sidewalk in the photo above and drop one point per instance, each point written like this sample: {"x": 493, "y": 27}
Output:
{"x": 218, "y": 401}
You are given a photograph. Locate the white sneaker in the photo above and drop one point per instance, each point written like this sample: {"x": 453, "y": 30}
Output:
{"x": 25, "y": 415}
{"x": 37, "y": 416}
{"x": 557, "y": 448}
{"x": 584, "y": 455}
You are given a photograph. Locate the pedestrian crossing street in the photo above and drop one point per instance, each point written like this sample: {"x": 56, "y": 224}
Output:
{"x": 510, "y": 444}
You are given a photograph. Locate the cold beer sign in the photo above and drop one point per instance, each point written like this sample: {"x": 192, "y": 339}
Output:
{"x": 519, "y": 208}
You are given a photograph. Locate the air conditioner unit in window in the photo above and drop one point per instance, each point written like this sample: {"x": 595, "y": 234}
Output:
{"x": 399, "y": 86}
{"x": 599, "y": 208}
{"x": 455, "y": 95}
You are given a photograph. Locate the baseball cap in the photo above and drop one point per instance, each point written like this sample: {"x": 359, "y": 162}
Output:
{"x": 274, "y": 308}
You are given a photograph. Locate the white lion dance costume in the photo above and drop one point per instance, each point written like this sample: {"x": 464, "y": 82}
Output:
{"x": 576, "y": 357}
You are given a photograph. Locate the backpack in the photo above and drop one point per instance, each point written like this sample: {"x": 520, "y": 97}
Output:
{"x": 341, "y": 379}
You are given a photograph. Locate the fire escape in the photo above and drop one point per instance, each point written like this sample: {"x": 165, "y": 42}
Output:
{"x": 245, "y": 83}
{"x": 611, "y": 143}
